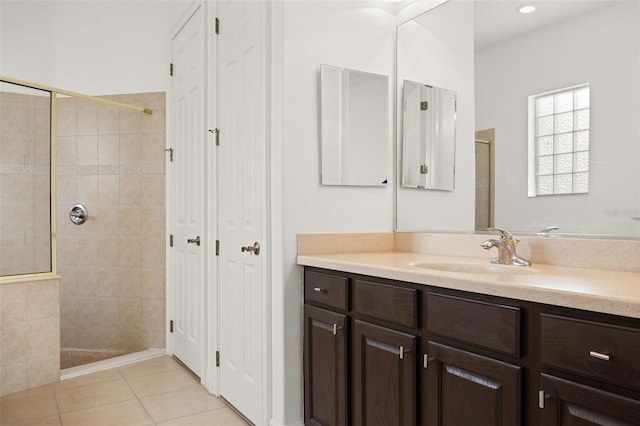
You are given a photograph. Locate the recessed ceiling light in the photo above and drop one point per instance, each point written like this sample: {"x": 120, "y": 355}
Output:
{"x": 526, "y": 9}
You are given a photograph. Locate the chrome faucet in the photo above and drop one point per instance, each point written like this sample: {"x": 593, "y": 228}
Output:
{"x": 506, "y": 245}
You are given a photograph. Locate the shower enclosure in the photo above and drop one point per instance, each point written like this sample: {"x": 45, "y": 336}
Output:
{"x": 109, "y": 165}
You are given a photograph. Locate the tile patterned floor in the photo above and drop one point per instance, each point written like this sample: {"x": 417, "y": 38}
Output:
{"x": 158, "y": 391}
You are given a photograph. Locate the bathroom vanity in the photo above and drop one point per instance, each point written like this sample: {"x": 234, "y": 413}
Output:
{"x": 388, "y": 341}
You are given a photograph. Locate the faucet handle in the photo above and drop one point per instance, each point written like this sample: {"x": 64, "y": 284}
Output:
{"x": 504, "y": 234}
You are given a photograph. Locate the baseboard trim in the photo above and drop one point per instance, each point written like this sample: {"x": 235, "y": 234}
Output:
{"x": 118, "y": 361}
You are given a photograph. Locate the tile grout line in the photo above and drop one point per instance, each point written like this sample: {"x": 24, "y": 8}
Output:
{"x": 137, "y": 397}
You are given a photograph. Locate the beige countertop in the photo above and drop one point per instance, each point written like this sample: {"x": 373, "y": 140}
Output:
{"x": 607, "y": 291}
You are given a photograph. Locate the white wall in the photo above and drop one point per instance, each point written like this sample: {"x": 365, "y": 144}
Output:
{"x": 92, "y": 47}
{"x": 352, "y": 34}
{"x": 586, "y": 49}
{"x": 436, "y": 49}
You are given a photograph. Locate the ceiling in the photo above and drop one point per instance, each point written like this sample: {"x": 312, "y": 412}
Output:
{"x": 499, "y": 20}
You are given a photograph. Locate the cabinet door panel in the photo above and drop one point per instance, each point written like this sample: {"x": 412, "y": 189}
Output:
{"x": 573, "y": 404}
{"x": 467, "y": 389}
{"x": 325, "y": 368}
{"x": 384, "y": 380}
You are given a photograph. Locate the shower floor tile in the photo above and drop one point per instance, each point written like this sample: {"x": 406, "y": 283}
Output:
{"x": 75, "y": 357}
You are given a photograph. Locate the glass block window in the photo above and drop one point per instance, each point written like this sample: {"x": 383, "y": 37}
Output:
{"x": 559, "y": 142}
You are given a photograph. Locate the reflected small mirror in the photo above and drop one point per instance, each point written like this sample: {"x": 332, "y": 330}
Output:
{"x": 354, "y": 127}
{"x": 428, "y": 136}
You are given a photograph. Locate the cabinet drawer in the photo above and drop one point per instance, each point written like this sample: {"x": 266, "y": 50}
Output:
{"x": 386, "y": 302}
{"x": 326, "y": 289}
{"x": 487, "y": 325}
{"x": 603, "y": 351}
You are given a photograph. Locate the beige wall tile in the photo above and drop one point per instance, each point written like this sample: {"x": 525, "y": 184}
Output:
{"x": 153, "y": 193}
{"x": 14, "y": 119}
{"x": 108, "y": 311}
{"x": 15, "y": 149}
{"x": 153, "y": 283}
{"x": 108, "y": 220}
{"x": 131, "y": 339}
{"x": 109, "y": 283}
{"x": 43, "y": 370}
{"x": 153, "y": 338}
{"x": 66, "y": 151}
{"x": 43, "y": 300}
{"x": 131, "y": 148}
{"x": 108, "y": 190}
{"x": 130, "y": 283}
{"x": 108, "y": 120}
{"x": 44, "y": 338}
{"x": 130, "y": 190}
{"x": 13, "y": 378}
{"x": 87, "y": 117}
{"x": 110, "y": 338}
{"x": 15, "y": 342}
{"x": 153, "y": 221}
{"x": 130, "y": 252}
{"x": 87, "y": 150}
{"x": 66, "y": 117}
{"x": 130, "y": 221}
{"x": 66, "y": 192}
{"x": 13, "y": 303}
{"x": 109, "y": 149}
{"x": 108, "y": 251}
{"x": 153, "y": 253}
{"x": 130, "y": 313}
{"x": 153, "y": 317}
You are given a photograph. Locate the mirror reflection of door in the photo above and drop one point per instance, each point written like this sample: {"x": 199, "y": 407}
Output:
{"x": 484, "y": 179}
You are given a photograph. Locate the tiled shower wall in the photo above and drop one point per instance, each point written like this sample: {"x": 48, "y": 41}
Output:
{"x": 29, "y": 334}
{"x": 112, "y": 268}
{"x": 24, "y": 183}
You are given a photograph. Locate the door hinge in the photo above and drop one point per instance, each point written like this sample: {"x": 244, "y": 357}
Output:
{"x": 170, "y": 151}
{"x": 217, "y": 26}
{"x": 170, "y": 69}
{"x": 170, "y": 240}
{"x": 217, "y": 247}
{"x": 171, "y": 326}
{"x": 424, "y": 106}
{"x": 217, "y": 358}
{"x": 217, "y": 132}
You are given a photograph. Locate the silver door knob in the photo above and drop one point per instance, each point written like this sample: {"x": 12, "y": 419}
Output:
{"x": 195, "y": 240}
{"x": 78, "y": 214}
{"x": 255, "y": 248}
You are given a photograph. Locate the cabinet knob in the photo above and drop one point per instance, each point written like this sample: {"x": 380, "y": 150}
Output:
{"x": 426, "y": 360}
{"x": 319, "y": 290}
{"x": 335, "y": 329}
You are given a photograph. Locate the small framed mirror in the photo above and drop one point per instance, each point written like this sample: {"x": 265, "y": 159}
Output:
{"x": 428, "y": 137}
{"x": 354, "y": 127}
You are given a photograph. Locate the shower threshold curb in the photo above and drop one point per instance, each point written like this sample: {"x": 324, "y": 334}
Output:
{"x": 106, "y": 364}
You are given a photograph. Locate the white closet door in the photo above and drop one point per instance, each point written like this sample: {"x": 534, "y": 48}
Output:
{"x": 241, "y": 204}
{"x": 188, "y": 196}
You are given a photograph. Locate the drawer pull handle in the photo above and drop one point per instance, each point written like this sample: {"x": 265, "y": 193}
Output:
{"x": 541, "y": 397}
{"x": 319, "y": 290}
{"x": 426, "y": 360}
{"x": 599, "y": 355}
{"x": 402, "y": 351}
{"x": 335, "y": 329}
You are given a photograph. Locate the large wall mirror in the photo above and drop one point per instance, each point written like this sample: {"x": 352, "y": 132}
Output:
{"x": 428, "y": 136}
{"x": 560, "y": 45}
{"x": 355, "y": 127}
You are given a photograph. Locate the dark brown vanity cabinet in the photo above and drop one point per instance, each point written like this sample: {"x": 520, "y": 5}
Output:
{"x": 461, "y": 387}
{"x": 590, "y": 369}
{"x": 386, "y": 353}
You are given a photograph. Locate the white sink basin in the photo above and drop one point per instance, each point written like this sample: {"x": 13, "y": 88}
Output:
{"x": 477, "y": 268}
